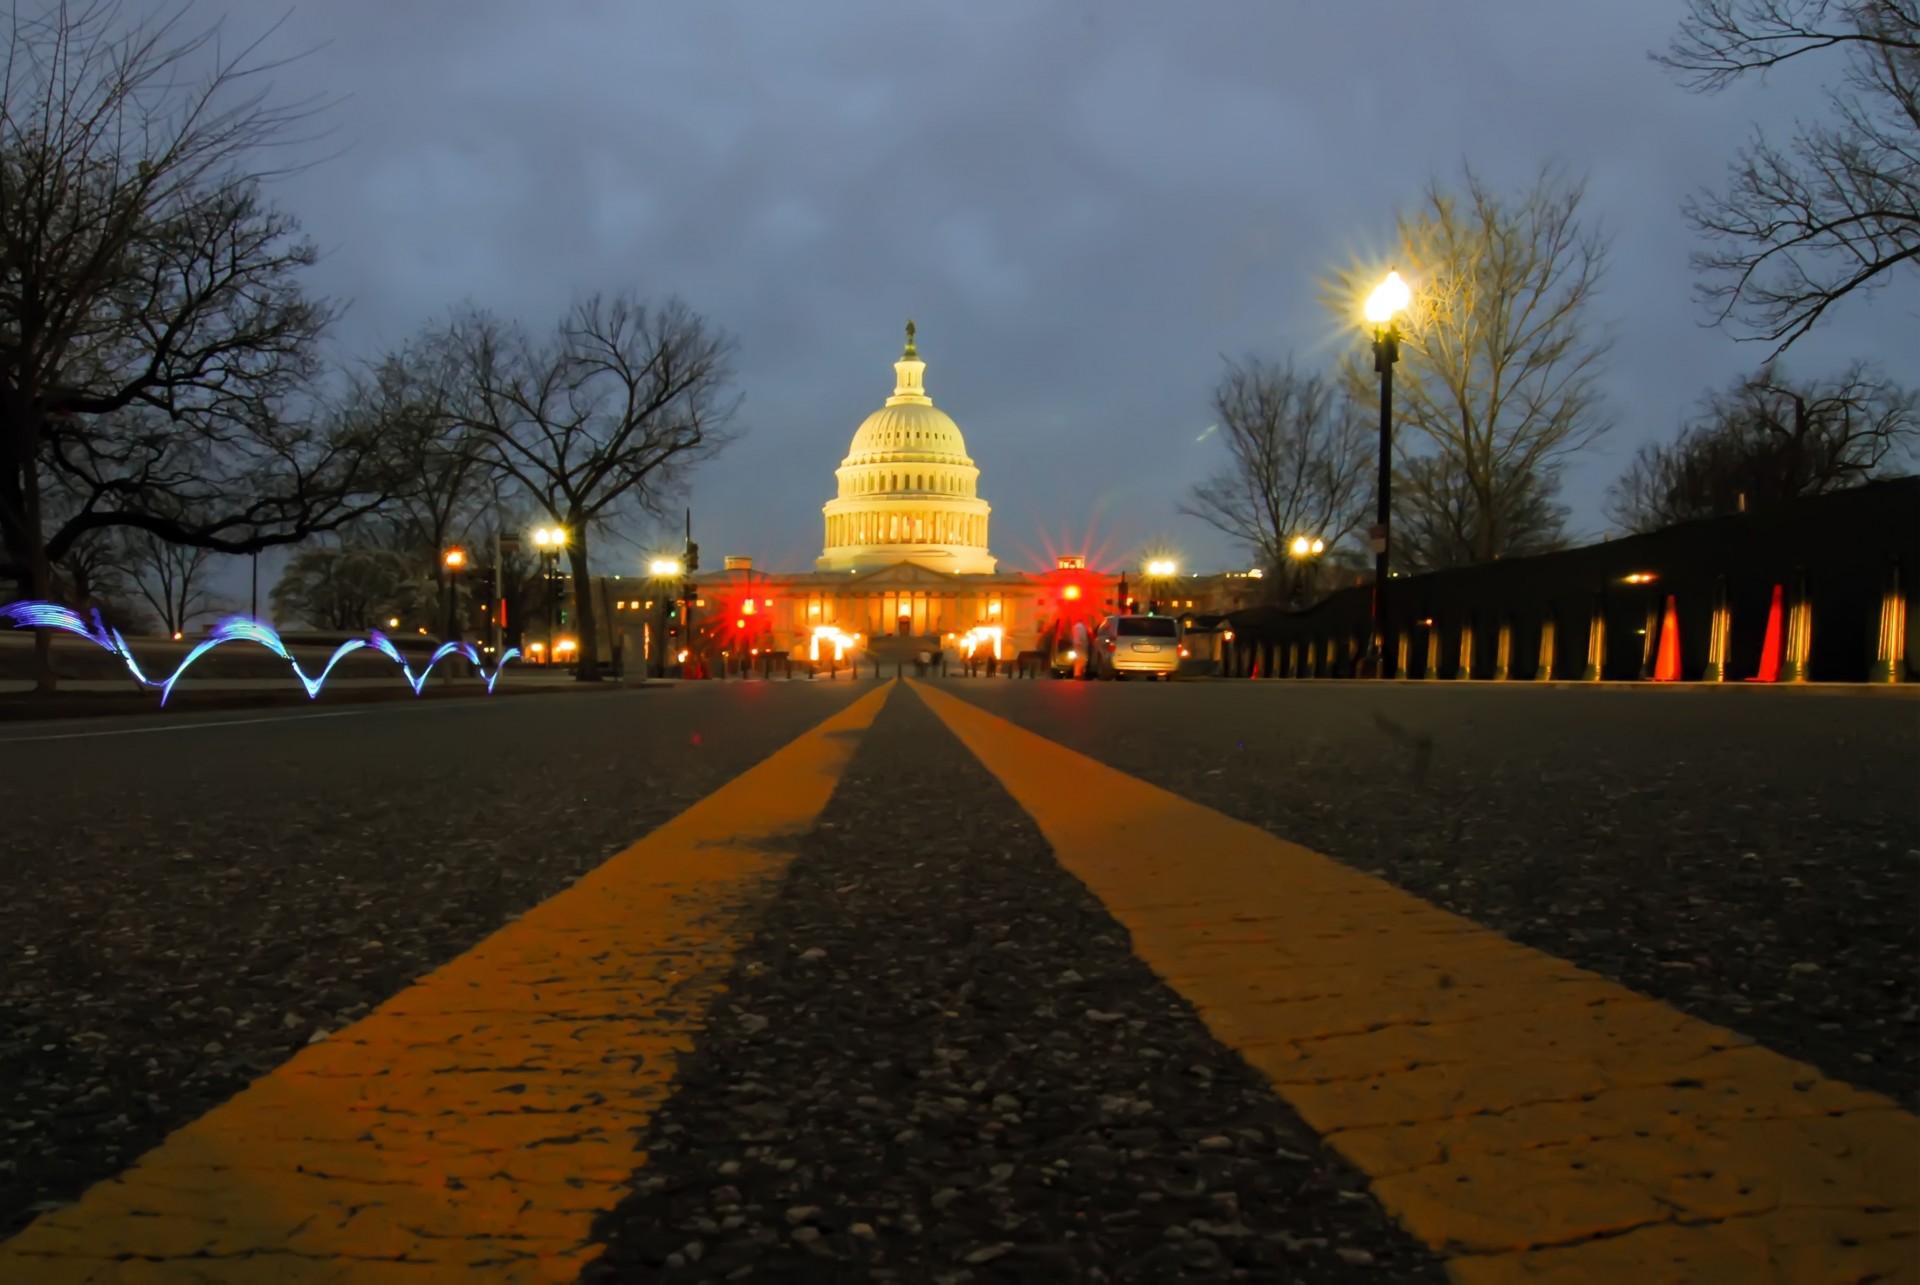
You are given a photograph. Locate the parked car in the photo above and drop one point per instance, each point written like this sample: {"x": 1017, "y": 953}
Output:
{"x": 1145, "y": 645}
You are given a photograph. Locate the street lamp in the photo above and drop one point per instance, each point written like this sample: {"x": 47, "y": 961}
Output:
{"x": 1159, "y": 571}
{"x": 453, "y": 559}
{"x": 666, "y": 573}
{"x": 1303, "y": 550}
{"x": 1384, "y": 306}
{"x": 550, "y": 540}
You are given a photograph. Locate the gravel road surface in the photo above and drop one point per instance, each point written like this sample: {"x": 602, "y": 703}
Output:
{"x": 186, "y": 902}
{"x": 1750, "y": 857}
{"x": 939, "y": 1061}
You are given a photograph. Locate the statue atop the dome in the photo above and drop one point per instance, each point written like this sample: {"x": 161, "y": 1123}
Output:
{"x": 910, "y": 349}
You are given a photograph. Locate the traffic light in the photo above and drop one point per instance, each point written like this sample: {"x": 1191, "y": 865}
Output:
{"x": 563, "y": 617}
{"x": 693, "y": 556}
{"x": 673, "y": 611}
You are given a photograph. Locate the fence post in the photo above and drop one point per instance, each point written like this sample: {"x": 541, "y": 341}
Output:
{"x": 1543, "y": 664}
{"x": 1890, "y": 661}
{"x": 1503, "y": 650}
{"x": 1651, "y": 637}
{"x": 1799, "y": 632}
{"x": 1719, "y": 629}
{"x": 1401, "y": 667}
{"x": 1465, "y": 670}
{"x": 1433, "y": 653}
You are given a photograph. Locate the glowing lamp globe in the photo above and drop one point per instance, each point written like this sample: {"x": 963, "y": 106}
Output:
{"x": 1388, "y": 300}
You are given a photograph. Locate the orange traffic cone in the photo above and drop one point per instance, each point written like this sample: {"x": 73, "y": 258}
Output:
{"x": 1666, "y": 669}
{"x": 1770, "y": 648}
{"x": 1256, "y": 666}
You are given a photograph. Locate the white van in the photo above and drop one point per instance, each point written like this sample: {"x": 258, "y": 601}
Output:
{"x": 1146, "y": 645}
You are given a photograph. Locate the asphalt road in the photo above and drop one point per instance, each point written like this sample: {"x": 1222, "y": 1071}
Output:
{"x": 1751, "y": 857}
{"x": 184, "y": 903}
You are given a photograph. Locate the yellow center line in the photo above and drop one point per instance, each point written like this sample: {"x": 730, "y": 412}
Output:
{"x": 471, "y": 1128}
{"x": 1528, "y": 1118}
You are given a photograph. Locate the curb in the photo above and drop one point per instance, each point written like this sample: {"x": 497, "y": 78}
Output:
{"x": 1889, "y": 691}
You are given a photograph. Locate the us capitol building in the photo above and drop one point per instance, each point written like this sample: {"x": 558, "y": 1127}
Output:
{"x": 905, "y": 564}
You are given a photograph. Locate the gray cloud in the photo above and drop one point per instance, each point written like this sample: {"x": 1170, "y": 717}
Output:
{"x": 1084, "y": 205}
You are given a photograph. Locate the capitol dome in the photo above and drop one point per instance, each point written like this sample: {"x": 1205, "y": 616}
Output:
{"x": 908, "y": 492}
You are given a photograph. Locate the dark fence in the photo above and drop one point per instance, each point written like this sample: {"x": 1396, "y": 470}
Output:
{"x": 1813, "y": 590}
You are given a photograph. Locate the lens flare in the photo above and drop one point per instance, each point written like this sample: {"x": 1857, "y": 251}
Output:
{"x": 47, "y": 615}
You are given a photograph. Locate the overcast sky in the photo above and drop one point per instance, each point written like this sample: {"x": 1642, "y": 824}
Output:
{"x": 1083, "y": 205}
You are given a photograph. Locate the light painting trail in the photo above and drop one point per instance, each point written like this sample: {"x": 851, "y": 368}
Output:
{"x": 47, "y": 615}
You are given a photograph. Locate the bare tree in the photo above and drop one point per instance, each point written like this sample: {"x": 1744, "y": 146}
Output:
{"x": 605, "y": 415}
{"x": 1836, "y": 209}
{"x": 1300, "y": 454}
{"x": 1766, "y": 439}
{"x": 349, "y": 587}
{"x": 156, "y": 351}
{"x": 446, "y": 475}
{"x": 1438, "y": 515}
{"x": 172, "y": 578}
{"x": 1501, "y": 358}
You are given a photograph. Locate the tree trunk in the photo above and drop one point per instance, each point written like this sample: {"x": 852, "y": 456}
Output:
{"x": 39, "y": 576}
{"x": 587, "y": 668}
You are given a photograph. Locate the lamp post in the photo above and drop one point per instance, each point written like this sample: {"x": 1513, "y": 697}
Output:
{"x": 1384, "y": 306}
{"x": 1303, "y": 549}
{"x": 1159, "y": 571}
{"x": 453, "y": 559}
{"x": 666, "y": 574}
{"x": 550, "y": 540}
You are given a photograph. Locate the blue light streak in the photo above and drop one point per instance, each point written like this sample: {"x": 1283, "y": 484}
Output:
{"x": 47, "y": 615}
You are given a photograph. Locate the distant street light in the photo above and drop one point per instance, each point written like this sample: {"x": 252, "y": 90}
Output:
{"x": 1159, "y": 571}
{"x": 1302, "y": 547}
{"x": 453, "y": 559}
{"x": 1384, "y": 306}
{"x": 667, "y": 572}
{"x": 550, "y": 540}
